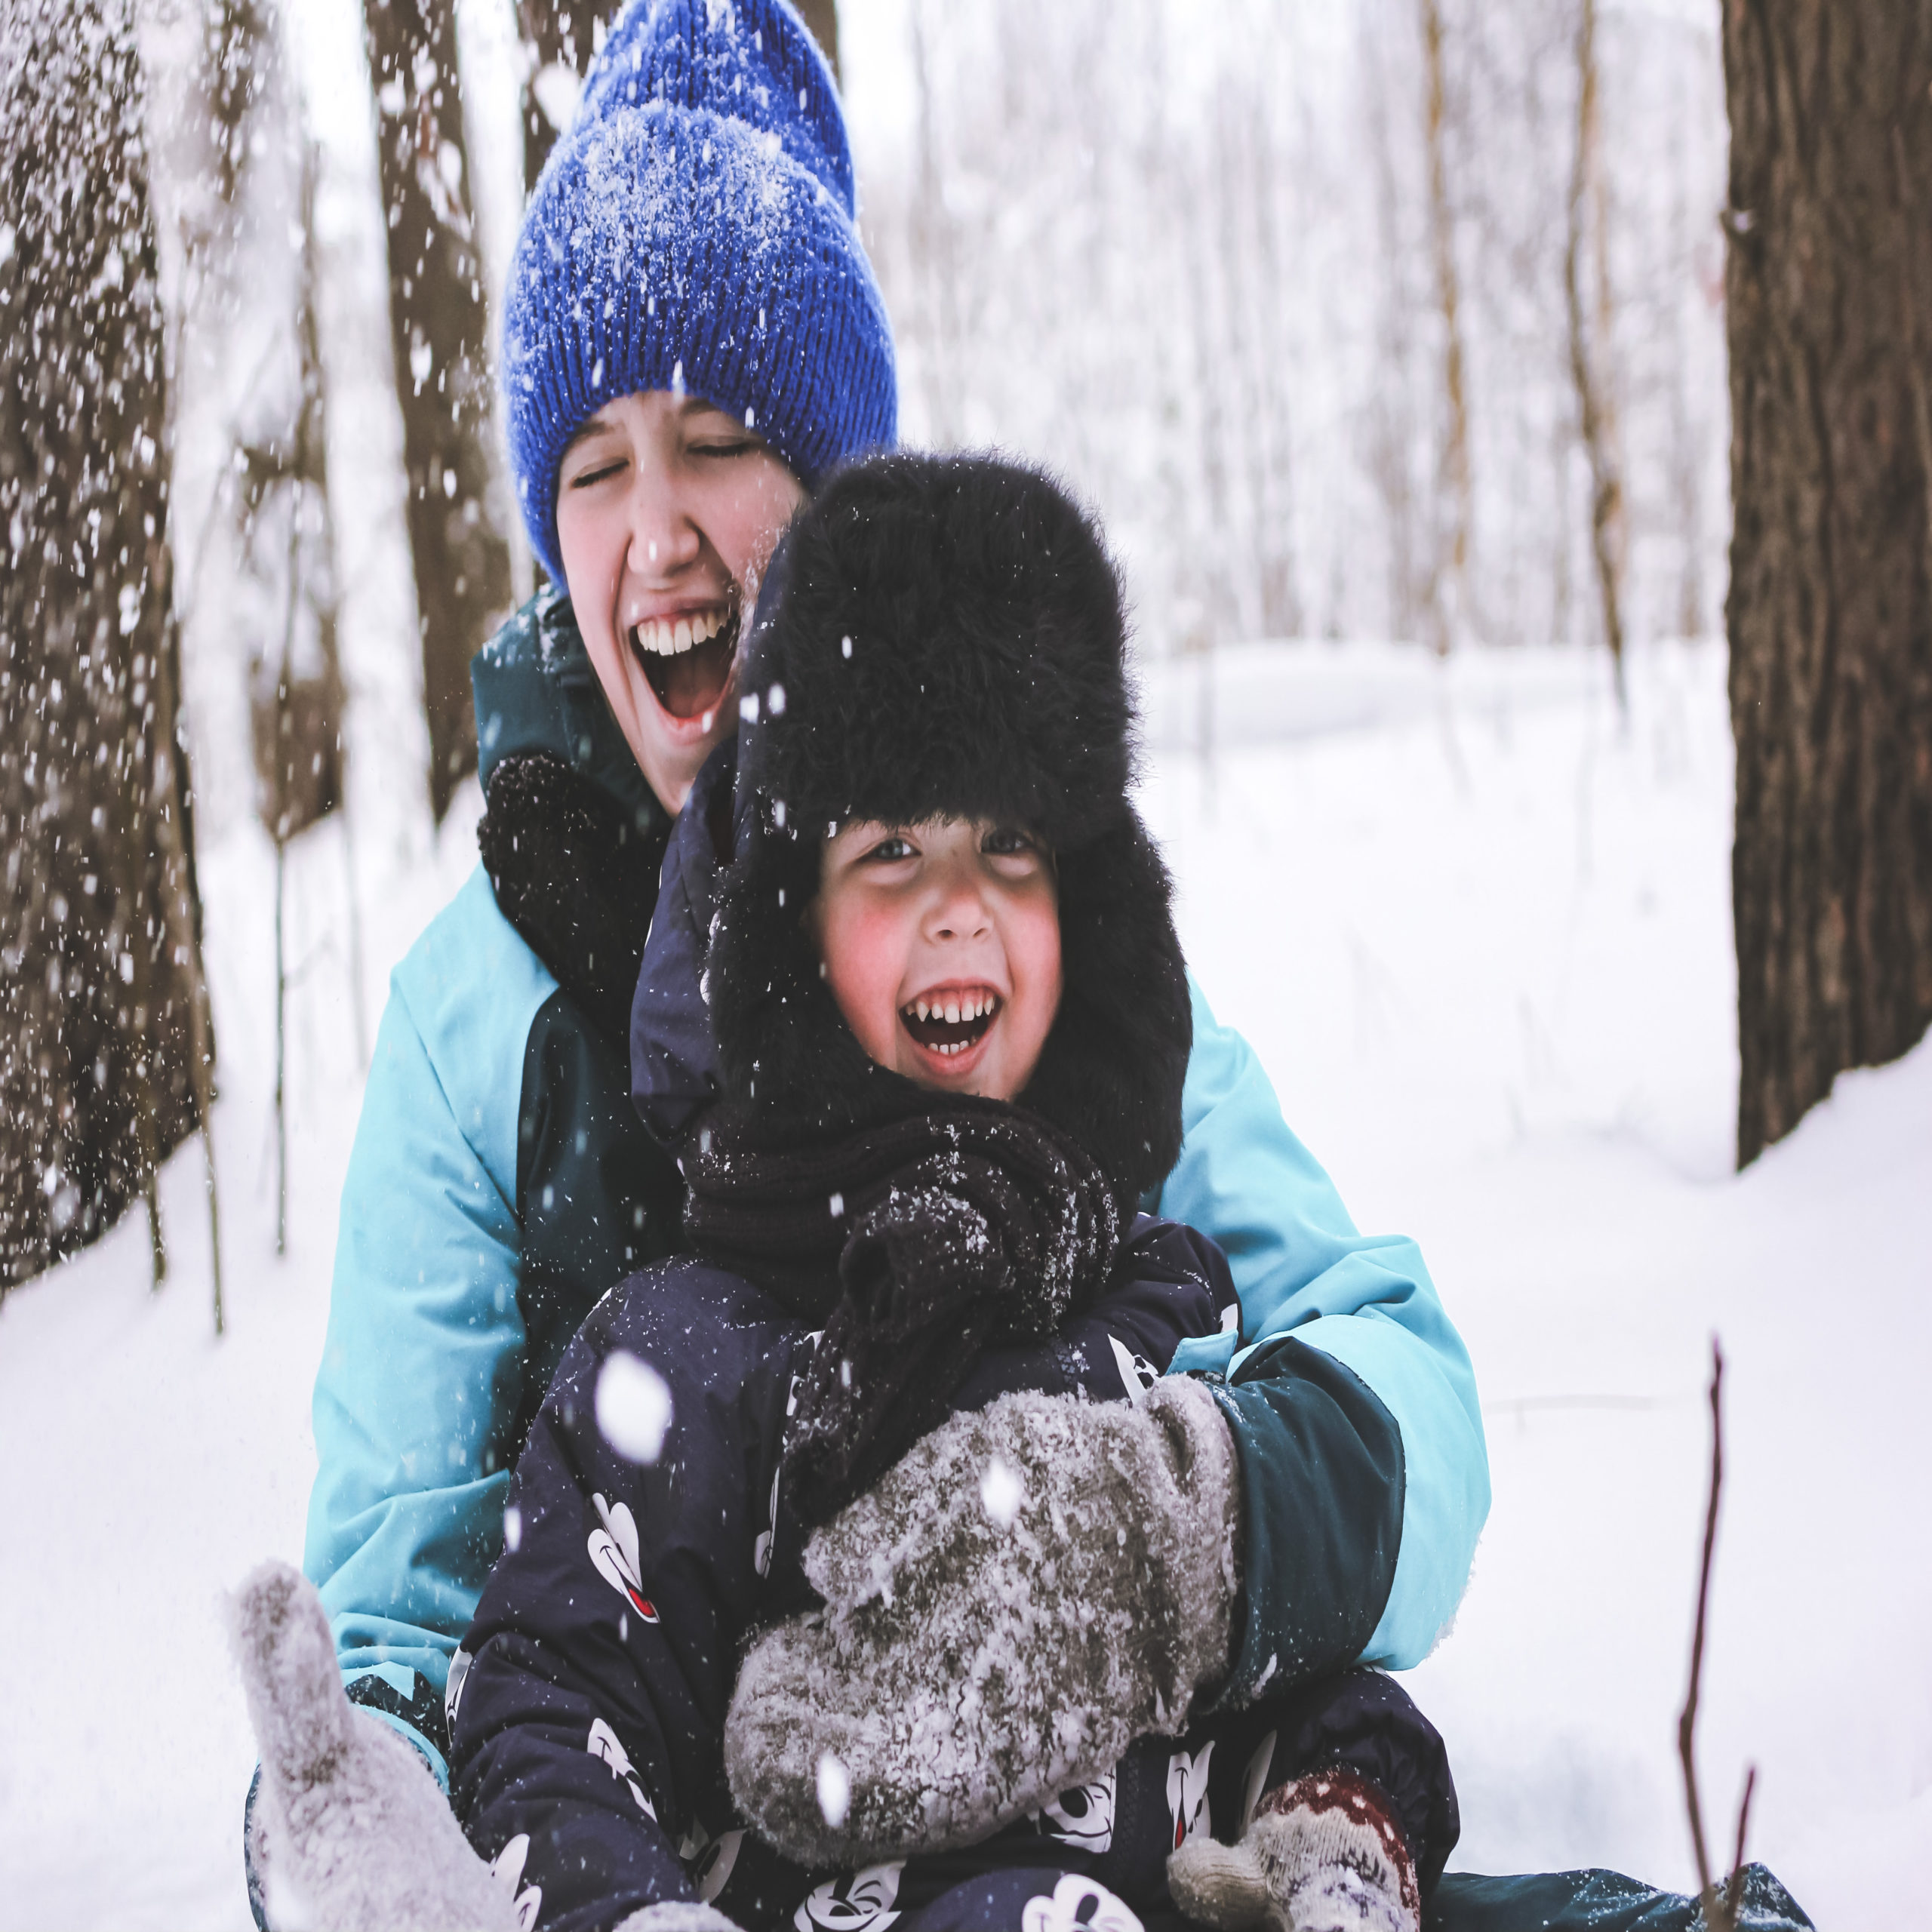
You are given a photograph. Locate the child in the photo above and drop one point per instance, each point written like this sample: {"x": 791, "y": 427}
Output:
{"x": 952, "y": 1247}
{"x": 693, "y": 336}
{"x": 941, "y": 901}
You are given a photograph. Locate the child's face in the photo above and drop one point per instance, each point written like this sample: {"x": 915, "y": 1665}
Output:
{"x": 667, "y": 513}
{"x": 921, "y": 926}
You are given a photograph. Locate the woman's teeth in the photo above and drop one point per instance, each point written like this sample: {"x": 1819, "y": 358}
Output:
{"x": 668, "y": 637}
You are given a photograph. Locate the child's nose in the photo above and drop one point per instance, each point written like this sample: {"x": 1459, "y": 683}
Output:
{"x": 959, "y": 911}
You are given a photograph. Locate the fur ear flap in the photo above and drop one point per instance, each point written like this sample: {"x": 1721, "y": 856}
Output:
{"x": 783, "y": 1047}
{"x": 1114, "y": 1065}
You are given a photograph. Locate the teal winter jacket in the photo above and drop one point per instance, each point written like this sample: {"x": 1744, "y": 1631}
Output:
{"x": 500, "y": 1183}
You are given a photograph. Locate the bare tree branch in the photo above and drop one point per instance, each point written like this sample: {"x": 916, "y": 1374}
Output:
{"x": 1720, "y": 1903}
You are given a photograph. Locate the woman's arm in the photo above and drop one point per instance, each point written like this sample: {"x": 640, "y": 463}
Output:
{"x": 422, "y": 1367}
{"x": 1367, "y": 1303}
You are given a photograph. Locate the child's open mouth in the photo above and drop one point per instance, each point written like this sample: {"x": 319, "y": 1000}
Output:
{"x": 949, "y": 1023}
{"x": 687, "y": 660}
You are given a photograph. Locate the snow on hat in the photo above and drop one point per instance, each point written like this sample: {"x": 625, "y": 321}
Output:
{"x": 696, "y": 230}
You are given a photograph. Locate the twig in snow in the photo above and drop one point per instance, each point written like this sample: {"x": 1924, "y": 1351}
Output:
{"x": 1720, "y": 1905}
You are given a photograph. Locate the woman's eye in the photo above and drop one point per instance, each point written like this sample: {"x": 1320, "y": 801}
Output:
{"x": 725, "y": 446}
{"x": 585, "y": 478}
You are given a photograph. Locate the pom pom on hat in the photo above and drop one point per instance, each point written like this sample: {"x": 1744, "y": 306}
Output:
{"x": 695, "y": 230}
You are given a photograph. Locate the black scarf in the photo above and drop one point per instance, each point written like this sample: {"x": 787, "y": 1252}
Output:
{"x": 915, "y": 1241}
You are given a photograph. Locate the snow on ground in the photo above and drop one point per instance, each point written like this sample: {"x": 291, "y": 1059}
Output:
{"x": 1480, "y": 934}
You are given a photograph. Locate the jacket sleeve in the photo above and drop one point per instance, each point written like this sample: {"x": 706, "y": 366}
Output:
{"x": 1368, "y": 1323}
{"x": 1169, "y": 1283}
{"x": 416, "y": 1399}
{"x": 588, "y": 1703}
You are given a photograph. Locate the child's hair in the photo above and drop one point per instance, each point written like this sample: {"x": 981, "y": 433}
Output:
{"x": 695, "y": 230}
{"x": 943, "y": 637}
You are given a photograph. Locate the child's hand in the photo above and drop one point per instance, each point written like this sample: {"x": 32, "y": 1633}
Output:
{"x": 1031, "y": 1588}
{"x": 360, "y": 1839}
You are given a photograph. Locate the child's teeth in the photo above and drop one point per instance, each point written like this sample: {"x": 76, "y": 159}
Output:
{"x": 923, "y": 1009}
{"x": 952, "y": 1013}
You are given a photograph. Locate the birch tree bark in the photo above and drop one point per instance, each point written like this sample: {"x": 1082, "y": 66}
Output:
{"x": 1830, "y": 288}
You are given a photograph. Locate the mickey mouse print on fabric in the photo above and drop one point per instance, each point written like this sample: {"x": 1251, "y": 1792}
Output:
{"x": 709, "y": 1860}
{"x": 613, "y": 1546}
{"x": 1187, "y": 1793}
{"x": 1078, "y": 1904}
{"x": 1083, "y": 1816}
{"x": 506, "y": 1868}
{"x": 1137, "y": 1374}
{"x": 861, "y": 1901}
{"x": 603, "y": 1743}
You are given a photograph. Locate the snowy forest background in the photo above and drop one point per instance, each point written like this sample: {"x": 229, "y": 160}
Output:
{"x": 1213, "y": 262}
{"x": 1388, "y": 336}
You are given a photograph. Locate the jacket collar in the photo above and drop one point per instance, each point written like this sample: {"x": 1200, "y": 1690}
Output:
{"x": 535, "y": 691}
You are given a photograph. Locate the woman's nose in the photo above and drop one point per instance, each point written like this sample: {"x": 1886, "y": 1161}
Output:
{"x": 663, "y": 538}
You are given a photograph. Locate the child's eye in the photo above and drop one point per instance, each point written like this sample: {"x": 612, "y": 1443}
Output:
{"x": 888, "y": 851}
{"x": 1008, "y": 841}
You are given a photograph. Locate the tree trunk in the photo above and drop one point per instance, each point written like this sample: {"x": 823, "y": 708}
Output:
{"x": 1450, "y": 616}
{"x": 439, "y": 333}
{"x": 1829, "y": 286}
{"x": 1588, "y": 361}
{"x": 559, "y": 37}
{"x": 105, "y": 1047}
{"x": 822, "y": 17}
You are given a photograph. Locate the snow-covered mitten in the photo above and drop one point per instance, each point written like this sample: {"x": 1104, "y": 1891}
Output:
{"x": 1029, "y": 1588}
{"x": 363, "y": 1840}
{"x": 1324, "y": 1854}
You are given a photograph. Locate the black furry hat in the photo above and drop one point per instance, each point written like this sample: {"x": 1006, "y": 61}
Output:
{"x": 944, "y": 636}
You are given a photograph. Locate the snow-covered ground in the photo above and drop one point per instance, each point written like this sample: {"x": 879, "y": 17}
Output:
{"x": 1480, "y": 933}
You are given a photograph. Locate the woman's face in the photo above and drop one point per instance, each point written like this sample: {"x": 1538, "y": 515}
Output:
{"x": 667, "y": 513}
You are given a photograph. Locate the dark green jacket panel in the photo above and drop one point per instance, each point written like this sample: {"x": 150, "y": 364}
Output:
{"x": 536, "y": 692}
{"x": 1321, "y": 1477}
{"x": 596, "y": 1197}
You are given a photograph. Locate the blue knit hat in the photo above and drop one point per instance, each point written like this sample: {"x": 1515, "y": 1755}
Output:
{"x": 696, "y": 230}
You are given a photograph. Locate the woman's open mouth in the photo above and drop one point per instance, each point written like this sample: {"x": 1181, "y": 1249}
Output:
{"x": 951, "y": 1023}
{"x": 687, "y": 660}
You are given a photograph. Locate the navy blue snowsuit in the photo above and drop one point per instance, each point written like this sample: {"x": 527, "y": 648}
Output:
{"x": 588, "y": 1703}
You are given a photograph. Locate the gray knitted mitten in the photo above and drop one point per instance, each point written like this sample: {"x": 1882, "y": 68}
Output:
{"x": 1324, "y": 1854}
{"x": 361, "y": 1839}
{"x": 678, "y": 1915}
{"x": 1030, "y": 1589}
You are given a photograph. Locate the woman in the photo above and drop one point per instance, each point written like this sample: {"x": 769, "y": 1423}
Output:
{"x": 693, "y": 336}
